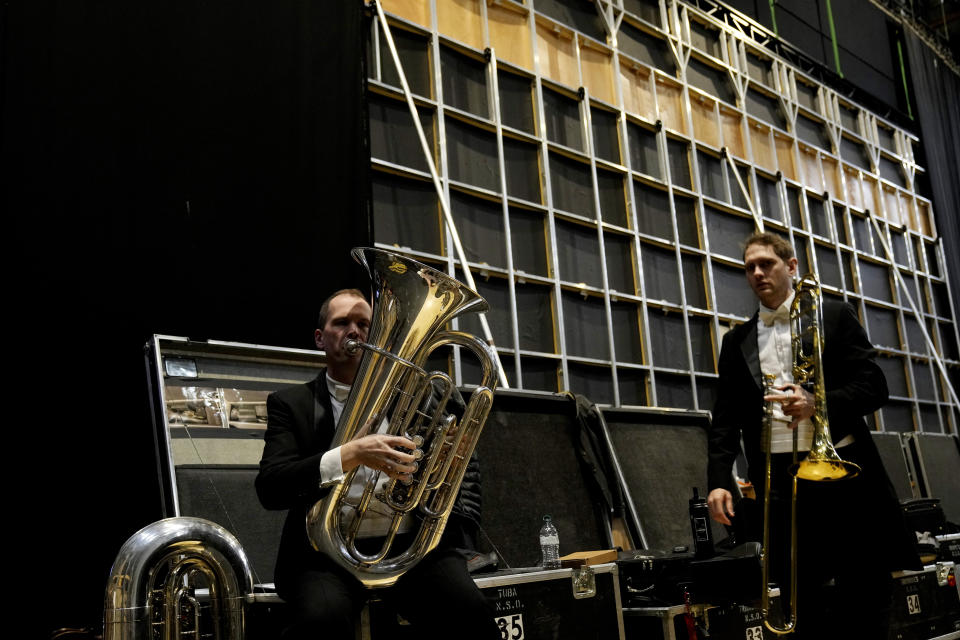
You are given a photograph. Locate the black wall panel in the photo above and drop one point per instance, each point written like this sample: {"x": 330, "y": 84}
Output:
{"x": 868, "y": 58}
{"x": 663, "y": 456}
{"x": 530, "y": 469}
{"x": 891, "y": 451}
{"x": 798, "y": 22}
{"x": 938, "y": 456}
{"x": 169, "y": 167}
{"x": 226, "y": 495}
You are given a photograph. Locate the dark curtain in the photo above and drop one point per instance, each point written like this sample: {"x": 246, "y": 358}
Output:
{"x": 178, "y": 167}
{"x": 937, "y": 93}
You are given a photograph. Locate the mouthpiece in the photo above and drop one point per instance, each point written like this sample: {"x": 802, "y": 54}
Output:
{"x": 351, "y": 346}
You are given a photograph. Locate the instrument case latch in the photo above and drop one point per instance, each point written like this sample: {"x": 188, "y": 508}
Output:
{"x": 584, "y": 582}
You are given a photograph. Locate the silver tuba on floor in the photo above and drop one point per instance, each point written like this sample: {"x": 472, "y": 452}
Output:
{"x": 412, "y": 303}
{"x": 178, "y": 578}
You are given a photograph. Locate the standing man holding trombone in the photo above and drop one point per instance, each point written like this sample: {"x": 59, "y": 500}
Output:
{"x": 850, "y": 532}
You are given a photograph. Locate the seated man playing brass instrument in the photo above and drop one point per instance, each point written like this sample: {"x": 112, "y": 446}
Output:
{"x": 298, "y": 467}
{"x": 850, "y": 531}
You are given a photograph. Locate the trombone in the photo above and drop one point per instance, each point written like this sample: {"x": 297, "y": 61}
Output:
{"x": 822, "y": 464}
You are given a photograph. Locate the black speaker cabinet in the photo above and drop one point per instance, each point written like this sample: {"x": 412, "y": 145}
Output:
{"x": 225, "y": 494}
{"x": 893, "y": 452}
{"x": 530, "y": 468}
{"x": 938, "y": 465}
{"x": 661, "y": 456}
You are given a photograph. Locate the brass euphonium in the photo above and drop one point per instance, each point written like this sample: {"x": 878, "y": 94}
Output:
{"x": 822, "y": 462}
{"x": 412, "y": 303}
{"x": 155, "y": 584}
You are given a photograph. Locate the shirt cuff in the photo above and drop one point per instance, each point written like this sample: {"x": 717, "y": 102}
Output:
{"x": 331, "y": 470}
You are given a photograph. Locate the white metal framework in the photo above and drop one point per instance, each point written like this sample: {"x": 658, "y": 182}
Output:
{"x": 597, "y": 165}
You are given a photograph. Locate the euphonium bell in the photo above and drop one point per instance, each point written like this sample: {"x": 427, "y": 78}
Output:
{"x": 154, "y": 584}
{"x": 412, "y": 303}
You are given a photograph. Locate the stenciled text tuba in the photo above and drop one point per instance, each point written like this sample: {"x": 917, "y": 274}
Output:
{"x": 822, "y": 462}
{"x": 412, "y": 303}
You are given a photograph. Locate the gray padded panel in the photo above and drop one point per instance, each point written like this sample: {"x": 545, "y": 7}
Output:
{"x": 530, "y": 468}
{"x": 939, "y": 458}
{"x": 663, "y": 456}
{"x": 226, "y": 495}
{"x": 895, "y": 462}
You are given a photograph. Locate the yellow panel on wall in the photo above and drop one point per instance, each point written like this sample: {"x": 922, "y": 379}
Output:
{"x": 556, "y": 56}
{"x": 510, "y": 35}
{"x": 762, "y": 145}
{"x": 906, "y": 204}
{"x": 413, "y": 10}
{"x": 731, "y": 124}
{"x": 891, "y": 204}
{"x": 670, "y": 105}
{"x": 908, "y": 211}
{"x": 831, "y": 176}
{"x": 704, "y": 120}
{"x": 596, "y": 66}
{"x": 638, "y": 99}
{"x": 852, "y": 178}
{"x": 923, "y": 218}
{"x": 461, "y": 20}
{"x": 810, "y": 168}
{"x": 869, "y": 190}
{"x": 785, "y": 156}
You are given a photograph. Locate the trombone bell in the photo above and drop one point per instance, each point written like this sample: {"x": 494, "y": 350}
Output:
{"x": 823, "y": 464}
{"x": 824, "y": 470}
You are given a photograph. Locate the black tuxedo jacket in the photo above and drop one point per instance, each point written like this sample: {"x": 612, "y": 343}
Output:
{"x": 300, "y": 430}
{"x": 854, "y": 383}
{"x": 855, "y": 386}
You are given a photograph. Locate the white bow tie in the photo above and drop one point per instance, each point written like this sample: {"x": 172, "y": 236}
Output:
{"x": 780, "y": 314}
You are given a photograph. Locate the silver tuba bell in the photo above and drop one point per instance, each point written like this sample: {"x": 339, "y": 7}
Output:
{"x": 412, "y": 303}
{"x": 155, "y": 584}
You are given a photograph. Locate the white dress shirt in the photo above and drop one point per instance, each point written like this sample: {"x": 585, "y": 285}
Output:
{"x": 776, "y": 358}
{"x": 378, "y": 516}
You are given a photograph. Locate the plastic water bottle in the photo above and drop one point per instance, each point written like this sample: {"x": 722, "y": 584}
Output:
{"x": 550, "y": 544}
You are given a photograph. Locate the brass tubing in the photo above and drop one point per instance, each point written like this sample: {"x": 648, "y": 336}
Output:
{"x": 822, "y": 463}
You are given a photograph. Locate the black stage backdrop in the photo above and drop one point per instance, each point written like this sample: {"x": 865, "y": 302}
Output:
{"x": 937, "y": 93}
{"x": 180, "y": 167}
